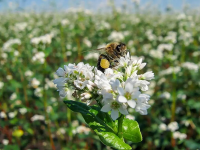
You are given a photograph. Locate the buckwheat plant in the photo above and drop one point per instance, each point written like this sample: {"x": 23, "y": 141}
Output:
{"x": 103, "y": 99}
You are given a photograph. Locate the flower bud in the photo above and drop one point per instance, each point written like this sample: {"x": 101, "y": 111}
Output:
{"x": 85, "y": 96}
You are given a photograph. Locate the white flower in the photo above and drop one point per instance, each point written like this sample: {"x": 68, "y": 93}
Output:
{"x": 1, "y": 85}
{"x": 23, "y": 111}
{"x": 9, "y": 77}
{"x": 173, "y": 126}
{"x": 163, "y": 127}
{"x": 12, "y": 114}
{"x": 92, "y": 56}
{"x": 130, "y": 117}
{"x": 38, "y": 92}
{"x": 13, "y": 96}
{"x": 190, "y": 66}
{"x": 28, "y": 73}
{"x": 178, "y": 135}
{"x": 85, "y": 96}
{"x": 61, "y": 84}
{"x": 79, "y": 84}
{"x": 5, "y": 141}
{"x": 147, "y": 76}
{"x": 124, "y": 61}
{"x": 143, "y": 84}
{"x": 3, "y": 115}
{"x": 45, "y": 39}
{"x": 116, "y": 36}
{"x": 37, "y": 117}
{"x": 65, "y": 22}
{"x": 129, "y": 94}
{"x": 83, "y": 129}
{"x": 87, "y": 42}
{"x": 39, "y": 56}
{"x": 114, "y": 106}
{"x": 142, "y": 104}
{"x": 35, "y": 83}
{"x": 165, "y": 95}
{"x": 7, "y": 45}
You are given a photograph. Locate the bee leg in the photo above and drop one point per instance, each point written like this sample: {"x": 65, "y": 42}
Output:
{"x": 102, "y": 60}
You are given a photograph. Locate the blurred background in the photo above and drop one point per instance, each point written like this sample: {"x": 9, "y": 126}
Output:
{"x": 39, "y": 36}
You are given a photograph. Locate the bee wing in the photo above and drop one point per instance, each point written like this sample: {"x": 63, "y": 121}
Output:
{"x": 99, "y": 50}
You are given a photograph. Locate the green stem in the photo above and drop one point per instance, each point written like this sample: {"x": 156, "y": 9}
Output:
{"x": 120, "y": 122}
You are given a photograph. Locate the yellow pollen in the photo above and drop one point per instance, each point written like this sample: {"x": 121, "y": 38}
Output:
{"x": 104, "y": 63}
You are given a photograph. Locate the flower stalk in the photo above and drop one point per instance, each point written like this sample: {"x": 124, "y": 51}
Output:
{"x": 120, "y": 123}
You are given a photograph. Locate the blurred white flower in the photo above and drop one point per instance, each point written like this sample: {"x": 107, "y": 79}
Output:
{"x": 131, "y": 117}
{"x": 178, "y": 135}
{"x": 170, "y": 70}
{"x": 165, "y": 95}
{"x": 45, "y": 39}
{"x": 12, "y": 114}
{"x": 38, "y": 92}
{"x": 13, "y": 96}
{"x": 7, "y": 45}
{"x": 87, "y": 42}
{"x": 75, "y": 123}
{"x": 94, "y": 56}
{"x": 3, "y": 115}
{"x": 61, "y": 131}
{"x": 1, "y": 85}
{"x": 5, "y": 142}
{"x": 186, "y": 122}
{"x": 28, "y": 73}
{"x": 82, "y": 129}
{"x": 9, "y": 77}
{"x": 20, "y": 26}
{"x": 39, "y": 56}
{"x": 65, "y": 22}
{"x": 35, "y": 83}
{"x": 37, "y": 118}
{"x": 173, "y": 126}
{"x": 181, "y": 16}
{"x": 156, "y": 54}
{"x": 190, "y": 66}
{"x": 23, "y": 110}
{"x": 163, "y": 127}
{"x": 49, "y": 109}
{"x": 116, "y": 36}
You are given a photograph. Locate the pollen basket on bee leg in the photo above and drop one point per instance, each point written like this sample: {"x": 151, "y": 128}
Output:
{"x": 104, "y": 63}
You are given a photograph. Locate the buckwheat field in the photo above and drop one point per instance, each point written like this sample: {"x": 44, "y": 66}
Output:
{"x": 33, "y": 45}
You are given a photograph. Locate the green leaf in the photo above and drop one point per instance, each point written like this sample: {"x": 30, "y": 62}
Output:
{"x": 93, "y": 118}
{"x": 131, "y": 130}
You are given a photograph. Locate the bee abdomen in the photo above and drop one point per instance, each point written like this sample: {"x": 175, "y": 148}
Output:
{"x": 103, "y": 63}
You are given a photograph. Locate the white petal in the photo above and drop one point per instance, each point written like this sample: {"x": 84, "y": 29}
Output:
{"x": 123, "y": 110}
{"x": 120, "y": 91}
{"x": 122, "y": 99}
{"x": 106, "y": 108}
{"x": 142, "y": 66}
{"x": 60, "y": 72}
{"x": 129, "y": 87}
{"x": 131, "y": 103}
{"x": 114, "y": 114}
{"x": 63, "y": 93}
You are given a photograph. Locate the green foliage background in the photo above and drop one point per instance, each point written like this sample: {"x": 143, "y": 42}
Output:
{"x": 175, "y": 95}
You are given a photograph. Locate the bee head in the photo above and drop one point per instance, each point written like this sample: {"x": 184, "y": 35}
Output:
{"x": 121, "y": 47}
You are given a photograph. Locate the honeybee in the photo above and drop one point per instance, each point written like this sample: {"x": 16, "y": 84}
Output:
{"x": 113, "y": 51}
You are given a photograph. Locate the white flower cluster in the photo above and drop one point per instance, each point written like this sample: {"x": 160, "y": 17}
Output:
{"x": 117, "y": 88}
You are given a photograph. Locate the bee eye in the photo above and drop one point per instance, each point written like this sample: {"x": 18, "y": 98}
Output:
{"x": 118, "y": 48}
